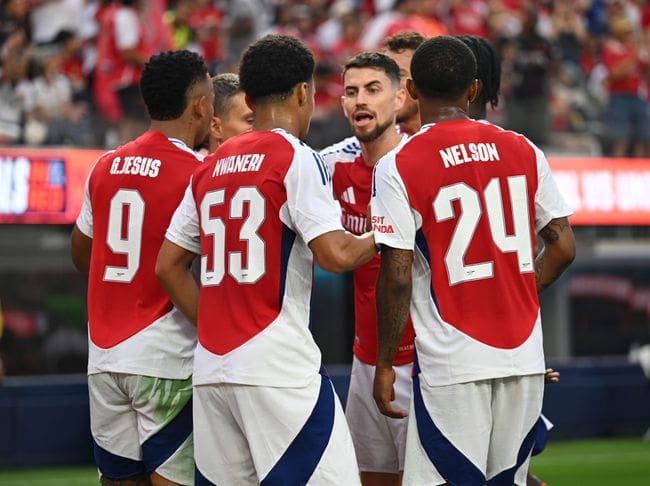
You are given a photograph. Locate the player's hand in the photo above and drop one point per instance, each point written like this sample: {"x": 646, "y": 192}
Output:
{"x": 384, "y": 392}
{"x": 551, "y": 376}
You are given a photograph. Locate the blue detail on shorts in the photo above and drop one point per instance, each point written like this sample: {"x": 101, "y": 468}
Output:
{"x": 200, "y": 479}
{"x": 116, "y": 467}
{"x": 421, "y": 243}
{"x": 160, "y": 446}
{"x": 507, "y": 477}
{"x": 454, "y": 467}
{"x": 541, "y": 435}
{"x": 288, "y": 238}
{"x": 299, "y": 461}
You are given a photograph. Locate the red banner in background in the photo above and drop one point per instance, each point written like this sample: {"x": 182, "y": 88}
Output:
{"x": 43, "y": 186}
{"x": 46, "y": 186}
{"x": 605, "y": 191}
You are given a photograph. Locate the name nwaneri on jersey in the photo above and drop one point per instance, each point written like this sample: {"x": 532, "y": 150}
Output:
{"x": 472, "y": 152}
{"x": 238, "y": 163}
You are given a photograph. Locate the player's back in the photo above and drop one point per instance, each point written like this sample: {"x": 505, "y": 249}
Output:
{"x": 475, "y": 193}
{"x": 133, "y": 191}
{"x": 256, "y": 267}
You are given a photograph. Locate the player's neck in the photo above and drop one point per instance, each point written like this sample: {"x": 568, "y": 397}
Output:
{"x": 375, "y": 150}
{"x": 410, "y": 126}
{"x": 178, "y": 129}
{"x": 272, "y": 117}
{"x": 436, "y": 112}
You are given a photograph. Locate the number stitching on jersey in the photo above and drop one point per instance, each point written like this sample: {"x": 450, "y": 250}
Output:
{"x": 255, "y": 265}
{"x": 131, "y": 246}
{"x": 468, "y": 220}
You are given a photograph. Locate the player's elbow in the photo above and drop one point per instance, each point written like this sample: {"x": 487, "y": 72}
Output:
{"x": 164, "y": 269}
{"x": 333, "y": 263}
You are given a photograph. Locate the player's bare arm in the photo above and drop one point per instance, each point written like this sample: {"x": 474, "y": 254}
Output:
{"x": 80, "y": 248}
{"x": 393, "y": 296}
{"x": 173, "y": 272}
{"x": 558, "y": 252}
{"x": 339, "y": 251}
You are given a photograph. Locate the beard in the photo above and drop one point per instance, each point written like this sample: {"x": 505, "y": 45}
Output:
{"x": 374, "y": 134}
{"x": 408, "y": 111}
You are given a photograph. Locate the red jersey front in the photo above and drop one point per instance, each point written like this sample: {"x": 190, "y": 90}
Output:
{"x": 132, "y": 193}
{"x": 352, "y": 181}
{"x": 468, "y": 198}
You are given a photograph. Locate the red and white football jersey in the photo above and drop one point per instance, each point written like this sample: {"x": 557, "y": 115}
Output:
{"x": 131, "y": 194}
{"x": 469, "y": 198}
{"x": 250, "y": 211}
{"x": 352, "y": 182}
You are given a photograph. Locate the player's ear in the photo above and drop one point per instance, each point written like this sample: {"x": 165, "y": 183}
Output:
{"x": 474, "y": 90}
{"x": 216, "y": 129}
{"x": 400, "y": 98}
{"x": 303, "y": 93}
{"x": 248, "y": 102}
{"x": 410, "y": 87}
{"x": 198, "y": 106}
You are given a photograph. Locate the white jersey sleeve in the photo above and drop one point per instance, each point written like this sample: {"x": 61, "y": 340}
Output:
{"x": 344, "y": 151}
{"x": 127, "y": 29}
{"x": 549, "y": 203}
{"x": 184, "y": 226}
{"x": 85, "y": 219}
{"x": 310, "y": 202}
{"x": 393, "y": 221}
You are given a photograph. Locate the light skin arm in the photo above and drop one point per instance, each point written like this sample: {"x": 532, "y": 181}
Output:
{"x": 174, "y": 274}
{"x": 393, "y": 297}
{"x": 558, "y": 253}
{"x": 80, "y": 248}
{"x": 339, "y": 251}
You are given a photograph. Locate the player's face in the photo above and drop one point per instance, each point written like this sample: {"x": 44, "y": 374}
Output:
{"x": 239, "y": 118}
{"x": 403, "y": 60}
{"x": 369, "y": 102}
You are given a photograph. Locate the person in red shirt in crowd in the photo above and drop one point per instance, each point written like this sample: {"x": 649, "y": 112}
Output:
{"x": 627, "y": 111}
{"x": 469, "y": 17}
{"x": 122, "y": 49}
{"x": 350, "y": 42}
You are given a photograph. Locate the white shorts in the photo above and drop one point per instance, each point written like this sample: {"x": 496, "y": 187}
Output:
{"x": 473, "y": 432}
{"x": 272, "y": 436}
{"x": 379, "y": 441}
{"x": 142, "y": 424}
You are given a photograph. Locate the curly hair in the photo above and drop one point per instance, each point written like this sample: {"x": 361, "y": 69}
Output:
{"x": 403, "y": 41}
{"x": 166, "y": 81}
{"x": 271, "y": 67}
{"x": 488, "y": 67}
{"x": 443, "y": 68}
{"x": 374, "y": 60}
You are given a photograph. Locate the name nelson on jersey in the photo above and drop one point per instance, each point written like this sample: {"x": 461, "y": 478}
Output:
{"x": 135, "y": 165}
{"x": 473, "y": 152}
{"x": 238, "y": 163}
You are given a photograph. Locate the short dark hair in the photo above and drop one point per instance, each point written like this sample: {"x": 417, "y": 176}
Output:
{"x": 443, "y": 68}
{"x": 225, "y": 87}
{"x": 488, "y": 68}
{"x": 374, "y": 60}
{"x": 271, "y": 67}
{"x": 166, "y": 81}
{"x": 403, "y": 41}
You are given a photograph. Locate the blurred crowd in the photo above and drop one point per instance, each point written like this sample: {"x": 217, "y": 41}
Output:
{"x": 574, "y": 72}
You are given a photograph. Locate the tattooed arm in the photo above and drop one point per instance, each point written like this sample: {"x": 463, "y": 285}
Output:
{"x": 558, "y": 252}
{"x": 393, "y": 296}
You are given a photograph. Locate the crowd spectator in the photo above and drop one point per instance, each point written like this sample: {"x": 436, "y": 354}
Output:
{"x": 557, "y": 56}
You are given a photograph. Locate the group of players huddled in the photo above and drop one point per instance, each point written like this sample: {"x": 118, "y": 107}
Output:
{"x": 202, "y": 367}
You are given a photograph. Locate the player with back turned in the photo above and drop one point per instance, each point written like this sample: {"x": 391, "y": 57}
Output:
{"x": 258, "y": 212}
{"x": 457, "y": 233}
{"x": 140, "y": 346}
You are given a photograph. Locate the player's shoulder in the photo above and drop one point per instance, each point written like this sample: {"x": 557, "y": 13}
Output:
{"x": 347, "y": 150}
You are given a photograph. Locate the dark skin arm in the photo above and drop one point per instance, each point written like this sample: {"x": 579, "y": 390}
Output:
{"x": 558, "y": 253}
{"x": 393, "y": 297}
{"x": 175, "y": 275}
{"x": 80, "y": 248}
{"x": 339, "y": 251}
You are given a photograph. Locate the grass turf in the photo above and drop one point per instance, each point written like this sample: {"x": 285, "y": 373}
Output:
{"x": 603, "y": 462}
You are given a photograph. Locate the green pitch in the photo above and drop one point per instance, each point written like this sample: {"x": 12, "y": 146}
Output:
{"x": 603, "y": 462}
